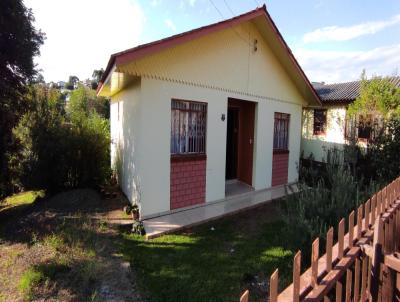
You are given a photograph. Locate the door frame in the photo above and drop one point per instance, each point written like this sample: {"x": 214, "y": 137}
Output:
{"x": 245, "y": 157}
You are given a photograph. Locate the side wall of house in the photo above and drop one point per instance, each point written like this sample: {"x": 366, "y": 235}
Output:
{"x": 334, "y": 137}
{"x": 126, "y": 116}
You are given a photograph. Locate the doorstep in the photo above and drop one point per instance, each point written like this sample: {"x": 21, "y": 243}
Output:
{"x": 185, "y": 218}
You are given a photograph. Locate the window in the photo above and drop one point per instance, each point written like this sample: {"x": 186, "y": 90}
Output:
{"x": 281, "y": 131}
{"x": 188, "y": 127}
{"x": 365, "y": 127}
{"x": 319, "y": 121}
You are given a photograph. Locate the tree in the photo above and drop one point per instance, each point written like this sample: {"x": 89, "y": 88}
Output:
{"x": 20, "y": 42}
{"x": 83, "y": 101}
{"x": 380, "y": 101}
{"x": 72, "y": 82}
{"x": 96, "y": 77}
{"x": 377, "y": 96}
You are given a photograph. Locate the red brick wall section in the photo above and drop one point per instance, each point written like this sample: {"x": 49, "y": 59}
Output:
{"x": 280, "y": 163}
{"x": 188, "y": 183}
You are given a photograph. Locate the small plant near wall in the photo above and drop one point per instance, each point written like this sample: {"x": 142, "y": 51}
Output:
{"x": 132, "y": 209}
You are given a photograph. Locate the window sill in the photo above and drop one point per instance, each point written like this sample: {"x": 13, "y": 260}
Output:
{"x": 187, "y": 157}
{"x": 281, "y": 151}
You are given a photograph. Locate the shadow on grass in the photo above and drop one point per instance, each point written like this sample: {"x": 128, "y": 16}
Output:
{"x": 208, "y": 265}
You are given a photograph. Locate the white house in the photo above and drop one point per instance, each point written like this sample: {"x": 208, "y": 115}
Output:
{"x": 200, "y": 114}
{"x": 326, "y": 126}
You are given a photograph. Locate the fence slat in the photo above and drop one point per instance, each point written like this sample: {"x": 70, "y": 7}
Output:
{"x": 245, "y": 296}
{"x": 364, "y": 278}
{"x": 329, "y": 244}
{"x": 376, "y": 258}
{"x": 351, "y": 229}
{"x": 314, "y": 262}
{"x": 339, "y": 291}
{"x": 379, "y": 203}
{"x": 359, "y": 221}
{"x": 357, "y": 280}
{"x": 349, "y": 279}
{"x": 340, "y": 238}
{"x": 373, "y": 208}
{"x": 367, "y": 209}
{"x": 273, "y": 286}
{"x": 296, "y": 276}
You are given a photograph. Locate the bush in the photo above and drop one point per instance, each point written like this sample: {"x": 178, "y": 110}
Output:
{"x": 384, "y": 151}
{"x": 314, "y": 209}
{"x": 57, "y": 152}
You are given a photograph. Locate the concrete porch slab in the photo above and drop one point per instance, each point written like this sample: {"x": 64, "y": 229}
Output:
{"x": 185, "y": 218}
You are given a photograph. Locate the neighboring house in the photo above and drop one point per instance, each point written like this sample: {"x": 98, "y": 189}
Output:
{"x": 327, "y": 126}
{"x": 199, "y": 116}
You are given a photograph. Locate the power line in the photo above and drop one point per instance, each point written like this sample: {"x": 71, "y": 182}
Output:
{"x": 222, "y": 16}
{"x": 233, "y": 14}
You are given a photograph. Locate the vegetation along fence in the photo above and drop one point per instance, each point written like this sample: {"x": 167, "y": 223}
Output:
{"x": 364, "y": 264}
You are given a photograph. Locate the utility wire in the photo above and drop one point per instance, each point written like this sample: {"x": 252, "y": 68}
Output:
{"x": 222, "y": 16}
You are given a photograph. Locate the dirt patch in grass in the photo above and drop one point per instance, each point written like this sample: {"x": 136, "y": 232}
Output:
{"x": 65, "y": 249}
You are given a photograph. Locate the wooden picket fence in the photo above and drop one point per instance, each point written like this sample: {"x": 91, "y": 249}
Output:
{"x": 363, "y": 265}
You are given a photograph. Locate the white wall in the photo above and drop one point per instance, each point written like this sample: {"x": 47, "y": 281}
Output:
{"x": 154, "y": 149}
{"x": 317, "y": 145}
{"x": 125, "y": 135}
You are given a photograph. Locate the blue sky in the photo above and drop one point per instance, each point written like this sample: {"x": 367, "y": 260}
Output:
{"x": 332, "y": 40}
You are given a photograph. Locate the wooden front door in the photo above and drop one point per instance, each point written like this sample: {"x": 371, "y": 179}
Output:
{"x": 245, "y": 140}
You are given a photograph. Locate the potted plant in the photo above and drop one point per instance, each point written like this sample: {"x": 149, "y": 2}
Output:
{"x": 132, "y": 209}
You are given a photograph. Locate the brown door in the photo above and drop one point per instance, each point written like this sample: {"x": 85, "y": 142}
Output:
{"x": 245, "y": 139}
{"x": 232, "y": 136}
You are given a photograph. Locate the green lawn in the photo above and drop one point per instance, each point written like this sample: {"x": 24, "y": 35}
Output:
{"x": 212, "y": 265}
{"x": 20, "y": 199}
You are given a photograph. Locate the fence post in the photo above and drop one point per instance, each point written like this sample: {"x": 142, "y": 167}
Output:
{"x": 377, "y": 258}
{"x": 314, "y": 263}
{"x": 296, "y": 276}
{"x": 273, "y": 286}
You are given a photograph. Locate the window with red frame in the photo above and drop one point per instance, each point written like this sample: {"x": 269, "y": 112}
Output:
{"x": 281, "y": 131}
{"x": 319, "y": 121}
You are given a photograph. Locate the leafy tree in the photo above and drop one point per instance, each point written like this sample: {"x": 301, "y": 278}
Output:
{"x": 83, "y": 101}
{"x": 96, "y": 77}
{"x": 72, "y": 82}
{"x": 56, "y": 151}
{"x": 377, "y": 95}
{"x": 19, "y": 44}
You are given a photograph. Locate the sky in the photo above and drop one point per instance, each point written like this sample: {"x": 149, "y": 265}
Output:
{"x": 333, "y": 40}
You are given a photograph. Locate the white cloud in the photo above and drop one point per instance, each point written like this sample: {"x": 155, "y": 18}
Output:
{"x": 344, "y": 33}
{"x": 170, "y": 24}
{"x": 81, "y": 35}
{"x": 155, "y": 3}
{"x": 192, "y": 2}
{"x": 340, "y": 66}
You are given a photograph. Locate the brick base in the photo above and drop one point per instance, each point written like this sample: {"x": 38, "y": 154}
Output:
{"x": 280, "y": 164}
{"x": 188, "y": 183}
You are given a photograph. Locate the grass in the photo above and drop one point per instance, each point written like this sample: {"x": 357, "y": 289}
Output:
{"x": 20, "y": 199}
{"x": 211, "y": 265}
{"x": 31, "y": 278}
{"x": 70, "y": 257}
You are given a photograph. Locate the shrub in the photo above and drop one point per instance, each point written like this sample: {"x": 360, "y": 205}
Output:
{"x": 310, "y": 212}
{"x": 57, "y": 152}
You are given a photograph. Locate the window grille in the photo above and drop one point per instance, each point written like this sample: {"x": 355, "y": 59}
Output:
{"x": 188, "y": 127}
{"x": 319, "y": 121}
{"x": 281, "y": 131}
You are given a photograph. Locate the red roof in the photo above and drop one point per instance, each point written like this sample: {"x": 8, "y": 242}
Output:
{"x": 152, "y": 47}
